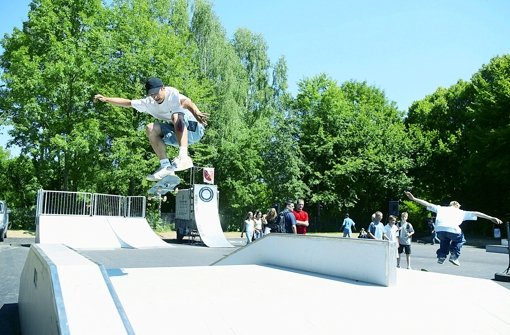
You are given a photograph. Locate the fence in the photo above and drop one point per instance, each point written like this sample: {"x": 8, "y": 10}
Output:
{"x": 90, "y": 204}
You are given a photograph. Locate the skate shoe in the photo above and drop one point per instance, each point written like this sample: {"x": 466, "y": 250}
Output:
{"x": 181, "y": 163}
{"x": 161, "y": 173}
{"x": 454, "y": 261}
{"x": 441, "y": 260}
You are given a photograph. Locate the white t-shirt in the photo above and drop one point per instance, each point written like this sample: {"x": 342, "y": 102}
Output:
{"x": 163, "y": 111}
{"x": 449, "y": 218}
{"x": 258, "y": 224}
{"x": 391, "y": 232}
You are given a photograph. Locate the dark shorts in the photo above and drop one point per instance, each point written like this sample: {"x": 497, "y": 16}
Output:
{"x": 402, "y": 247}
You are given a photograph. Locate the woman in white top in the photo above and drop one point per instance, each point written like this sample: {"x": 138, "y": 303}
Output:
{"x": 258, "y": 225}
{"x": 249, "y": 226}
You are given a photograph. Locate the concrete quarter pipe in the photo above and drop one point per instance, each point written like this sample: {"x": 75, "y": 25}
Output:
{"x": 97, "y": 232}
{"x": 207, "y": 217}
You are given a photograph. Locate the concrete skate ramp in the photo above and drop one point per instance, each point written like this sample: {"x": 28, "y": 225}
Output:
{"x": 365, "y": 260}
{"x": 97, "y": 232}
{"x": 62, "y": 292}
{"x": 77, "y": 231}
{"x": 135, "y": 233}
{"x": 59, "y": 288}
{"x": 207, "y": 218}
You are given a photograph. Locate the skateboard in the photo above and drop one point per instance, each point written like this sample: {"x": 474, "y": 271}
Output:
{"x": 165, "y": 185}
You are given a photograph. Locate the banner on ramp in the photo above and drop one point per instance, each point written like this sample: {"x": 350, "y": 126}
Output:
{"x": 207, "y": 217}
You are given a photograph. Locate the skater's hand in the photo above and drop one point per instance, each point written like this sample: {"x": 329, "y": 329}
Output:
{"x": 409, "y": 195}
{"x": 202, "y": 117}
{"x": 99, "y": 97}
{"x": 496, "y": 221}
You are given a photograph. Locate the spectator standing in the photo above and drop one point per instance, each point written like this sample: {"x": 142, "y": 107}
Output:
{"x": 391, "y": 232}
{"x": 348, "y": 226}
{"x": 376, "y": 228}
{"x": 301, "y": 217}
{"x": 249, "y": 226}
{"x": 406, "y": 232}
{"x": 271, "y": 221}
{"x": 431, "y": 223}
{"x": 289, "y": 224}
{"x": 257, "y": 219}
{"x": 448, "y": 221}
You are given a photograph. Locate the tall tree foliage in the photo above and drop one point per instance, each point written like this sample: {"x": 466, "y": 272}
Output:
{"x": 340, "y": 146}
{"x": 487, "y": 165}
{"x": 143, "y": 39}
{"x": 437, "y": 124}
{"x": 355, "y": 143}
{"x": 232, "y": 147}
{"x": 461, "y": 133}
{"x": 250, "y": 150}
{"x": 48, "y": 71}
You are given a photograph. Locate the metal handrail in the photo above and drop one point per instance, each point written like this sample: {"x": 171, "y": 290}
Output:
{"x": 89, "y": 204}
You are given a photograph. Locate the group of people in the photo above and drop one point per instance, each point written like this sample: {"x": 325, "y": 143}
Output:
{"x": 293, "y": 219}
{"x": 181, "y": 123}
{"x": 399, "y": 233}
{"x": 445, "y": 228}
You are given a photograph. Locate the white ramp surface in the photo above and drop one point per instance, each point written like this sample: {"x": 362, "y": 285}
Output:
{"x": 252, "y": 299}
{"x": 365, "y": 260}
{"x": 97, "y": 232}
{"x": 135, "y": 233}
{"x": 207, "y": 217}
{"x": 77, "y": 231}
{"x": 57, "y": 286}
{"x": 62, "y": 292}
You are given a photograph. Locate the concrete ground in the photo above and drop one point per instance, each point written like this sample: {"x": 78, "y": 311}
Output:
{"x": 475, "y": 262}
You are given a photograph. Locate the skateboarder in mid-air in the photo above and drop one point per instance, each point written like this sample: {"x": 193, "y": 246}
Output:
{"x": 448, "y": 221}
{"x": 185, "y": 124}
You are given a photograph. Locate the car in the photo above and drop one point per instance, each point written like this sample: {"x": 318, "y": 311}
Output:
{"x": 4, "y": 220}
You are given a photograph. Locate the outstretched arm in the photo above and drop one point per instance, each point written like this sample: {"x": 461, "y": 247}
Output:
{"x": 419, "y": 201}
{"x": 200, "y": 116}
{"x": 488, "y": 217}
{"x": 121, "y": 102}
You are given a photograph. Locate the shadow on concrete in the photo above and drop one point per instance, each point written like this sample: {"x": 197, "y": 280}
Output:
{"x": 9, "y": 319}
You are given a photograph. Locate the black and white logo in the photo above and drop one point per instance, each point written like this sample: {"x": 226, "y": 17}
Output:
{"x": 206, "y": 194}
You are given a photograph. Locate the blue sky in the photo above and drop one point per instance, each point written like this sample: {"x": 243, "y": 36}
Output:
{"x": 406, "y": 48}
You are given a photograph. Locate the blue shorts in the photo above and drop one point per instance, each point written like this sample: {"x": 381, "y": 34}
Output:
{"x": 195, "y": 130}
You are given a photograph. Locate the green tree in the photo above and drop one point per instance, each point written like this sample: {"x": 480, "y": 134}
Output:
{"x": 437, "y": 125}
{"x": 142, "y": 39}
{"x": 356, "y": 145}
{"x": 18, "y": 186}
{"x": 487, "y": 163}
{"x": 47, "y": 71}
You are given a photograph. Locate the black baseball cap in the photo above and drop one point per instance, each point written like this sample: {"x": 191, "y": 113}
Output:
{"x": 153, "y": 85}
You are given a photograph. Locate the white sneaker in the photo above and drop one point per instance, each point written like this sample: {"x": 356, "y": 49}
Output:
{"x": 181, "y": 163}
{"x": 454, "y": 261}
{"x": 161, "y": 173}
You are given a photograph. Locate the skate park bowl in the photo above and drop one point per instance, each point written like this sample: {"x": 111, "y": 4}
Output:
{"x": 295, "y": 284}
